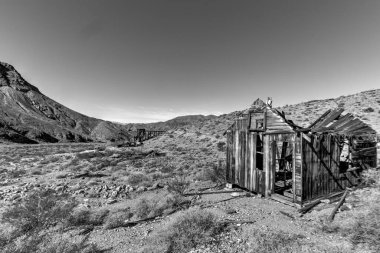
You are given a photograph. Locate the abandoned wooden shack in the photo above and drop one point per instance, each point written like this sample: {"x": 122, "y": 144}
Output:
{"x": 270, "y": 155}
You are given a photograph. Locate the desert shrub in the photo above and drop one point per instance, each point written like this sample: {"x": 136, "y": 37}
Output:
{"x": 117, "y": 219}
{"x": 143, "y": 208}
{"x": 163, "y": 206}
{"x": 167, "y": 168}
{"x": 39, "y": 210}
{"x": 369, "y": 109}
{"x": 221, "y": 146}
{"x": 73, "y": 162}
{"x": 178, "y": 185}
{"x": 156, "y": 175}
{"x": 191, "y": 228}
{"x": 16, "y": 173}
{"x": 102, "y": 165}
{"x": 371, "y": 177}
{"x": 169, "y": 204}
{"x": 50, "y": 159}
{"x": 137, "y": 178}
{"x": 36, "y": 172}
{"x": 205, "y": 150}
{"x": 68, "y": 246}
{"x": 31, "y": 218}
{"x": 62, "y": 175}
{"x": 270, "y": 241}
{"x": 216, "y": 173}
{"x": 329, "y": 228}
{"x": 87, "y": 217}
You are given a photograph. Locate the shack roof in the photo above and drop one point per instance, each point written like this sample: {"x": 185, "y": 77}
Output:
{"x": 276, "y": 120}
{"x": 334, "y": 121}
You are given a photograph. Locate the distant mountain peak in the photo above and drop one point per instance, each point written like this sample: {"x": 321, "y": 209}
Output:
{"x": 10, "y": 77}
{"x": 28, "y": 116}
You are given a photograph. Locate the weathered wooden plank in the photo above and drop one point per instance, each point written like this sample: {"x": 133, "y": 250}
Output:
{"x": 293, "y": 143}
{"x": 253, "y": 162}
{"x": 329, "y": 118}
{"x": 228, "y": 158}
{"x": 298, "y": 167}
{"x": 319, "y": 119}
{"x": 275, "y": 163}
{"x": 233, "y": 155}
{"x": 267, "y": 168}
{"x": 242, "y": 158}
{"x": 248, "y": 161}
{"x": 237, "y": 157}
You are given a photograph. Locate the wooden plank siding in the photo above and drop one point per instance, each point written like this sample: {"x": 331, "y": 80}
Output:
{"x": 298, "y": 169}
{"x": 321, "y": 167}
{"x": 241, "y": 158}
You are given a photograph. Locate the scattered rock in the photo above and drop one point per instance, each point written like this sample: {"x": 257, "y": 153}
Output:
{"x": 141, "y": 189}
{"x": 237, "y": 194}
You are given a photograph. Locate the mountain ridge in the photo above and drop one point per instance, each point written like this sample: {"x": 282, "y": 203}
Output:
{"x": 29, "y": 116}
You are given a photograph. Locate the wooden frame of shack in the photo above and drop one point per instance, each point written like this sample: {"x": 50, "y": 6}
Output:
{"x": 270, "y": 155}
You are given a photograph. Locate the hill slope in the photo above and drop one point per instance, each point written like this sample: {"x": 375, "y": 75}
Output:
{"x": 364, "y": 105}
{"x": 28, "y": 116}
{"x": 204, "y": 141}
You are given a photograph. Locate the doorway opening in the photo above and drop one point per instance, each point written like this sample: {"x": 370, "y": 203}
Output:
{"x": 283, "y": 168}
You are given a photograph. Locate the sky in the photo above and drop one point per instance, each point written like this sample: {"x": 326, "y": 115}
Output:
{"x": 153, "y": 60}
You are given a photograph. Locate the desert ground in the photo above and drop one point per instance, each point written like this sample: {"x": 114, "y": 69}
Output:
{"x": 162, "y": 198}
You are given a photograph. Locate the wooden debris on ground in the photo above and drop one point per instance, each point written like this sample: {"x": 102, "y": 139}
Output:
{"x": 287, "y": 214}
{"x": 88, "y": 174}
{"x": 332, "y": 215}
{"x": 213, "y": 192}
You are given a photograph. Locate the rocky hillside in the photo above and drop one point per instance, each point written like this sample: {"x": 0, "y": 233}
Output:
{"x": 364, "y": 105}
{"x": 28, "y": 116}
{"x": 205, "y": 141}
{"x": 177, "y": 122}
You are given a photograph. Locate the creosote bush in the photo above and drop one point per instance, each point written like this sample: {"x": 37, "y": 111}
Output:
{"x": 87, "y": 217}
{"x": 137, "y": 179}
{"x": 168, "y": 204}
{"x": 369, "y": 109}
{"x": 143, "y": 208}
{"x": 216, "y": 173}
{"x": 34, "y": 223}
{"x": 190, "y": 229}
{"x": 221, "y": 146}
{"x": 118, "y": 218}
{"x": 274, "y": 241}
{"x": 38, "y": 211}
{"x": 178, "y": 185}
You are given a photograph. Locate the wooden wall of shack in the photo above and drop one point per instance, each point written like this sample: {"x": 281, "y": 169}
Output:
{"x": 241, "y": 158}
{"x": 251, "y": 155}
{"x": 324, "y": 172}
